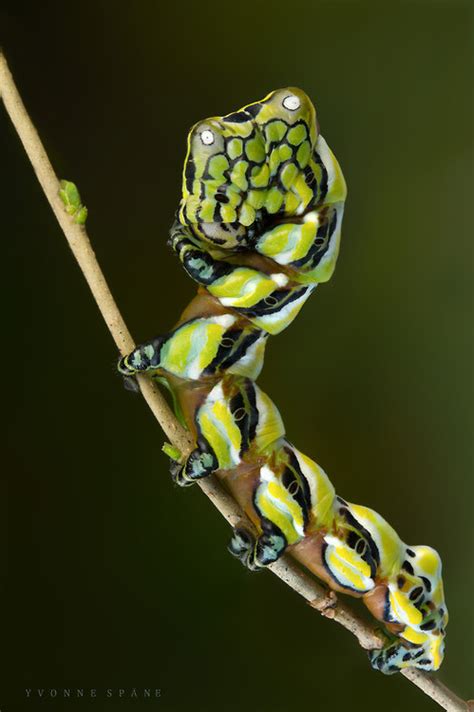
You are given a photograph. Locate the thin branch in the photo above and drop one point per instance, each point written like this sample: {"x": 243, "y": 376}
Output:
{"x": 286, "y": 569}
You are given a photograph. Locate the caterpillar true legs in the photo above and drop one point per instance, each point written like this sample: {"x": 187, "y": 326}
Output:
{"x": 258, "y": 228}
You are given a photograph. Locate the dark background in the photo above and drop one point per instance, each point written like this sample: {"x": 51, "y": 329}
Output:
{"x": 115, "y": 578}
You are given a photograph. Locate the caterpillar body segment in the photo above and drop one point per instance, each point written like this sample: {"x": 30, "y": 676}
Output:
{"x": 201, "y": 349}
{"x": 268, "y": 295}
{"x": 258, "y": 228}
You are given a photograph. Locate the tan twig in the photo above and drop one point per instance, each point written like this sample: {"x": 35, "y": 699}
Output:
{"x": 286, "y": 569}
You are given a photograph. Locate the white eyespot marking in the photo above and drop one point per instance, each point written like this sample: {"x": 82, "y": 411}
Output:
{"x": 207, "y": 137}
{"x": 291, "y": 102}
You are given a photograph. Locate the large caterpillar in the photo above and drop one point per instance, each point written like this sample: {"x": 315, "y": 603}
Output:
{"x": 258, "y": 229}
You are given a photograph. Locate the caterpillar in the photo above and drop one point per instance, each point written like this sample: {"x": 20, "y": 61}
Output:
{"x": 258, "y": 228}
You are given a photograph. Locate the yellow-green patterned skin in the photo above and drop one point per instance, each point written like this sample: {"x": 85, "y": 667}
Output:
{"x": 247, "y": 164}
{"x": 258, "y": 228}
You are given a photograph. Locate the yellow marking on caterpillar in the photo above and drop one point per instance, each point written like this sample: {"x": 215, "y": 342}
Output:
{"x": 278, "y": 492}
{"x": 242, "y": 288}
{"x": 303, "y": 190}
{"x": 356, "y": 578}
{"x": 291, "y": 202}
{"x": 247, "y": 215}
{"x": 216, "y": 440}
{"x": 321, "y": 488}
{"x": 436, "y": 650}
{"x": 275, "y": 241}
{"x": 386, "y": 538}
{"x": 288, "y": 243}
{"x": 228, "y": 213}
{"x": 405, "y": 609}
{"x": 223, "y": 443}
{"x": 260, "y": 178}
{"x": 337, "y": 188}
{"x": 270, "y": 426}
{"x": 297, "y": 134}
{"x": 351, "y": 557}
{"x": 275, "y": 515}
{"x": 210, "y": 348}
{"x": 175, "y": 353}
{"x": 437, "y": 595}
{"x": 224, "y": 416}
{"x": 414, "y": 636}
{"x": 428, "y": 560}
{"x": 274, "y": 200}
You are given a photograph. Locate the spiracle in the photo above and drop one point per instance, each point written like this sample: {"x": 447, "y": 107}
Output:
{"x": 258, "y": 228}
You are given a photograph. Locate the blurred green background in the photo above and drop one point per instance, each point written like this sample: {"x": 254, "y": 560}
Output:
{"x": 116, "y": 578}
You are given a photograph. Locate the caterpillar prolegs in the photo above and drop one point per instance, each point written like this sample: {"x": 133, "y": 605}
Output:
{"x": 258, "y": 229}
